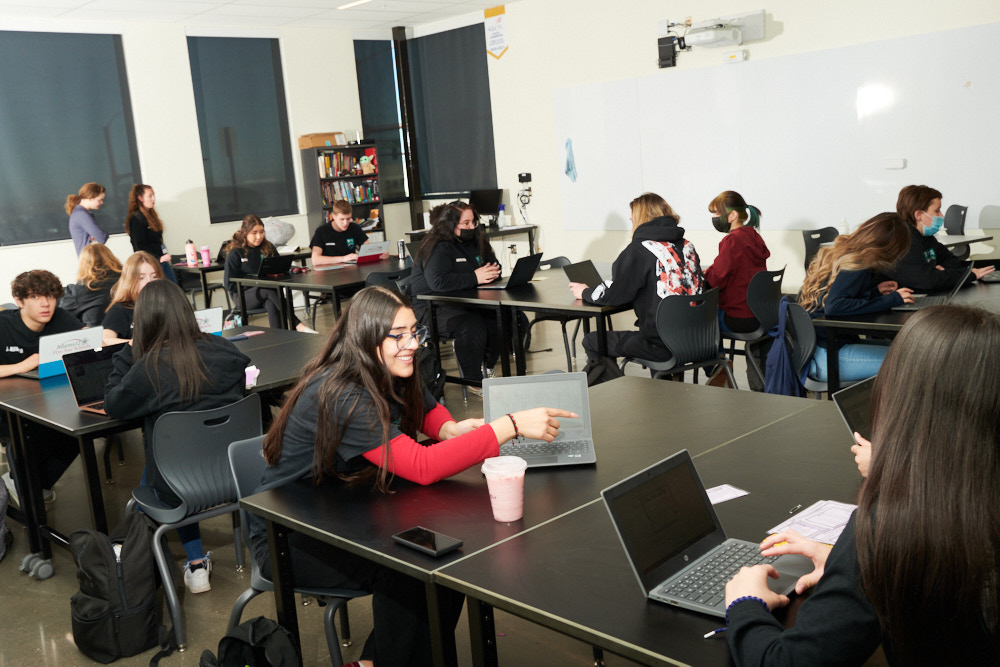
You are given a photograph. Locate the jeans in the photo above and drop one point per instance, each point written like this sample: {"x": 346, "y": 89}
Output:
{"x": 168, "y": 272}
{"x": 190, "y": 535}
{"x": 856, "y": 361}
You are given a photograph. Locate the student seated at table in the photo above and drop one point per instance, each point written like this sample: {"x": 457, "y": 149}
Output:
{"x": 89, "y": 297}
{"x": 354, "y": 418}
{"x": 248, "y": 247}
{"x": 145, "y": 229}
{"x": 844, "y": 280}
{"x": 339, "y": 241}
{"x": 36, "y": 294}
{"x": 658, "y": 263}
{"x": 916, "y": 568}
{"x": 171, "y": 366}
{"x": 139, "y": 270}
{"x": 742, "y": 254}
{"x": 455, "y": 255}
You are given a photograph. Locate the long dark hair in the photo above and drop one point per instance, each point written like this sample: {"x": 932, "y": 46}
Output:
{"x": 927, "y": 527}
{"x": 164, "y": 328}
{"x": 444, "y": 220}
{"x": 138, "y": 190}
{"x": 266, "y": 248}
{"x": 350, "y": 361}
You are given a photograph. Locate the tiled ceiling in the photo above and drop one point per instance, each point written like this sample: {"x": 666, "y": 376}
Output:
{"x": 374, "y": 15}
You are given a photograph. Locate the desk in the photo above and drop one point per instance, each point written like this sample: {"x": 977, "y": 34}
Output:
{"x": 493, "y": 233}
{"x": 952, "y": 240}
{"x": 362, "y": 522}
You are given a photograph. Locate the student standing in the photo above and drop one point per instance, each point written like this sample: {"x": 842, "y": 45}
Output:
{"x": 145, "y": 229}
{"x": 916, "y": 568}
{"x": 338, "y": 242}
{"x": 172, "y": 366}
{"x": 659, "y": 262}
{"x": 248, "y": 247}
{"x": 456, "y": 255}
{"x": 139, "y": 270}
{"x": 83, "y": 228}
{"x": 353, "y": 419}
{"x": 742, "y": 254}
{"x": 88, "y": 299}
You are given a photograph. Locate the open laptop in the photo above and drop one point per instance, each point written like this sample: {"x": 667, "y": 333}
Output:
{"x": 568, "y": 391}
{"x": 88, "y": 372}
{"x": 854, "y": 404}
{"x": 522, "y": 274}
{"x": 936, "y": 300}
{"x": 413, "y": 247}
{"x": 51, "y": 349}
{"x": 583, "y": 272}
{"x": 672, "y": 537}
{"x": 209, "y": 320}
{"x": 372, "y": 251}
{"x": 277, "y": 266}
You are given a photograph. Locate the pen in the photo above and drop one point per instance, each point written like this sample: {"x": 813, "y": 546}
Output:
{"x": 795, "y": 509}
{"x": 717, "y": 631}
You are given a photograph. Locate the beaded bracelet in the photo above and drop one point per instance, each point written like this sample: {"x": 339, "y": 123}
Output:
{"x": 745, "y": 597}
{"x": 517, "y": 434}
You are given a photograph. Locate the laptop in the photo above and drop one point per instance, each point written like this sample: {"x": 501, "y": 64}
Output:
{"x": 51, "y": 349}
{"x": 568, "y": 391}
{"x": 854, "y": 404}
{"x": 277, "y": 266}
{"x": 372, "y": 251}
{"x": 88, "y": 372}
{"x": 672, "y": 538}
{"x": 209, "y": 320}
{"x": 522, "y": 274}
{"x": 583, "y": 272}
{"x": 936, "y": 300}
{"x": 412, "y": 248}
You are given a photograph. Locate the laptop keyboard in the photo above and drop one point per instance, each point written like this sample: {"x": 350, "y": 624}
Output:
{"x": 567, "y": 448}
{"x": 706, "y": 583}
{"x": 926, "y": 301}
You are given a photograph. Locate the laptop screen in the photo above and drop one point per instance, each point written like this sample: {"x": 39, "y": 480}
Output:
{"x": 88, "y": 372}
{"x": 567, "y": 391}
{"x": 854, "y": 403}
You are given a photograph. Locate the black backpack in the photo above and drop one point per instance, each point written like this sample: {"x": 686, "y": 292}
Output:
{"x": 601, "y": 369}
{"x": 429, "y": 367}
{"x": 259, "y": 642}
{"x": 115, "y": 613}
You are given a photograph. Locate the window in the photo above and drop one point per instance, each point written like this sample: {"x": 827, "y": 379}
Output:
{"x": 380, "y": 119}
{"x": 239, "y": 95}
{"x": 65, "y": 120}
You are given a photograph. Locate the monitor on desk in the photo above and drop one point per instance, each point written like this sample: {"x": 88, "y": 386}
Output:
{"x": 486, "y": 203}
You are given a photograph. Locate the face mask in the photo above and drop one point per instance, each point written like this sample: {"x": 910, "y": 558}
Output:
{"x": 936, "y": 223}
{"x": 720, "y": 224}
{"x": 467, "y": 234}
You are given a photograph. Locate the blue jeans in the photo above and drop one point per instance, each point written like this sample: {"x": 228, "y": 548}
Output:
{"x": 856, "y": 361}
{"x": 168, "y": 272}
{"x": 190, "y": 535}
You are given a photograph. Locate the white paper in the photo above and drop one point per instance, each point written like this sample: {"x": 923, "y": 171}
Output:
{"x": 724, "y": 492}
{"x": 823, "y": 521}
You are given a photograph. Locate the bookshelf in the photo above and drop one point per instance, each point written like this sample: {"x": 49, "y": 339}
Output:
{"x": 338, "y": 172}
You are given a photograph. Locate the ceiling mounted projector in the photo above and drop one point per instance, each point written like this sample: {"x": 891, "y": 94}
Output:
{"x": 718, "y": 35}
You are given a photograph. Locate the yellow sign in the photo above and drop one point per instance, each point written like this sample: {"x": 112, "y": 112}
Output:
{"x": 496, "y": 31}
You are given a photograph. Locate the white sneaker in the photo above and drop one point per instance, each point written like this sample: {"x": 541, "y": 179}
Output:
{"x": 197, "y": 580}
{"x": 11, "y": 489}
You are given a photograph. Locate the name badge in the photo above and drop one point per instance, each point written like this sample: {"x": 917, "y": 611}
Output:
{"x": 459, "y": 259}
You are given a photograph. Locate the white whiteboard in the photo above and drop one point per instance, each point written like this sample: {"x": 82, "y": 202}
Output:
{"x": 803, "y": 137}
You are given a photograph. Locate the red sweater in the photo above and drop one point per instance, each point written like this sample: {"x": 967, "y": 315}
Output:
{"x": 742, "y": 253}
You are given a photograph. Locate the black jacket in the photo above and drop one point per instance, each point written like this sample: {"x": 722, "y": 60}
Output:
{"x": 451, "y": 267}
{"x": 88, "y": 304}
{"x": 639, "y": 277}
{"x": 144, "y": 238}
{"x": 916, "y": 268}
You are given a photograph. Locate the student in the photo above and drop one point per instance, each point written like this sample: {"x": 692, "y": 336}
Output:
{"x": 172, "y": 366}
{"x": 353, "y": 418}
{"x": 145, "y": 229}
{"x": 927, "y": 265}
{"x": 139, "y": 270}
{"x": 248, "y": 247}
{"x": 88, "y": 299}
{"x": 36, "y": 294}
{"x": 916, "y": 567}
{"x": 454, "y": 255}
{"x": 742, "y": 254}
{"x": 843, "y": 280}
{"x": 83, "y": 228}
{"x": 658, "y": 263}
{"x": 339, "y": 241}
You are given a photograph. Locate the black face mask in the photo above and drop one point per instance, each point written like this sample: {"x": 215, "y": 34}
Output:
{"x": 720, "y": 224}
{"x": 467, "y": 234}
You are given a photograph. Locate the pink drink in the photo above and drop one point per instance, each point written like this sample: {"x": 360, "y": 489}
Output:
{"x": 505, "y": 480}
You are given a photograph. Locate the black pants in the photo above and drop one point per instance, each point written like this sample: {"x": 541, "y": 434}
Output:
{"x": 626, "y": 344}
{"x": 399, "y": 602}
{"x": 476, "y": 334}
{"x": 54, "y": 452}
{"x": 267, "y": 298}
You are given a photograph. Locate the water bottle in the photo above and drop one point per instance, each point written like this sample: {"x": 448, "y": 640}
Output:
{"x": 191, "y": 252}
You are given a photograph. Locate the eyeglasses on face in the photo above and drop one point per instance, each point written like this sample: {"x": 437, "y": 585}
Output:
{"x": 403, "y": 340}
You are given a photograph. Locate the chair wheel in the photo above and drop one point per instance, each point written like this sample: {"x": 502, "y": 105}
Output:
{"x": 346, "y": 642}
{"x": 42, "y": 569}
{"x": 239, "y": 568}
{"x": 28, "y": 561}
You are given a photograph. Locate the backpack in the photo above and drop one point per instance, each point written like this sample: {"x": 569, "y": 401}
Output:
{"x": 779, "y": 376}
{"x": 259, "y": 642}
{"x": 115, "y": 613}
{"x": 601, "y": 370}
{"x": 429, "y": 367}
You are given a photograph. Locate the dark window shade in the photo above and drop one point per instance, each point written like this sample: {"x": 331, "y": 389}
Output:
{"x": 65, "y": 120}
{"x": 454, "y": 120}
{"x": 239, "y": 95}
{"x": 380, "y": 113}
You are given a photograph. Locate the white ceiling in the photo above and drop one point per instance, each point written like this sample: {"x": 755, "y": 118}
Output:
{"x": 375, "y": 15}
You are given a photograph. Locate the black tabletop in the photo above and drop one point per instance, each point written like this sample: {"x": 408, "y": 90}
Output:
{"x": 327, "y": 279}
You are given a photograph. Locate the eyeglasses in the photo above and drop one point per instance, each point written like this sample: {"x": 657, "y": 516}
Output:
{"x": 403, "y": 340}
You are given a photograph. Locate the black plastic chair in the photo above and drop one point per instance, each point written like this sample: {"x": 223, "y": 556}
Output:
{"x": 562, "y": 319}
{"x": 191, "y": 452}
{"x": 803, "y": 333}
{"x": 689, "y": 326}
{"x": 390, "y": 279}
{"x": 247, "y": 464}
{"x": 954, "y": 225}
{"x": 763, "y": 298}
{"x": 814, "y": 238}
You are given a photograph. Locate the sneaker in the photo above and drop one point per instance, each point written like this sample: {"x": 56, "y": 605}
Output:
{"x": 304, "y": 328}
{"x": 48, "y": 495}
{"x": 475, "y": 391}
{"x": 11, "y": 489}
{"x": 196, "y": 577}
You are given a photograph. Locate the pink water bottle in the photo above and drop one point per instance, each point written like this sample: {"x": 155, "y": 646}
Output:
{"x": 191, "y": 252}
{"x": 206, "y": 256}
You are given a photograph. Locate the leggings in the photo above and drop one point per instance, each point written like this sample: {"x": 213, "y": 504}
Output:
{"x": 267, "y": 298}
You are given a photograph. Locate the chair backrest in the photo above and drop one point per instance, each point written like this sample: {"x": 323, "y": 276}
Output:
{"x": 689, "y": 326}
{"x": 191, "y": 451}
{"x": 764, "y": 296}
{"x": 814, "y": 238}
{"x": 800, "y": 325}
{"x": 554, "y": 262}
{"x": 388, "y": 279}
{"x": 247, "y": 465}
{"x": 989, "y": 217}
{"x": 954, "y": 219}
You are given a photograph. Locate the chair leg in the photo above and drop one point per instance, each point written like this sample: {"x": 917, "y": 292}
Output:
{"x": 238, "y": 541}
{"x": 569, "y": 357}
{"x": 241, "y": 603}
{"x": 576, "y": 330}
{"x": 107, "y": 461}
{"x": 345, "y": 626}
{"x": 163, "y": 563}
{"x": 336, "y": 658}
{"x": 729, "y": 374}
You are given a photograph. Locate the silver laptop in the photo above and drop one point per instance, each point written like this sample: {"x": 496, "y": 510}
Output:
{"x": 854, "y": 404}
{"x": 936, "y": 300}
{"x": 51, "y": 349}
{"x": 675, "y": 544}
{"x": 522, "y": 274}
{"x": 568, "y": 391}
{"x": 209, "y": 320}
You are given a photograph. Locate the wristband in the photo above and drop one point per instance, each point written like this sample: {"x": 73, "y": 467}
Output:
{"x": 743, "y": 599}
{"x": 517, "y": 434}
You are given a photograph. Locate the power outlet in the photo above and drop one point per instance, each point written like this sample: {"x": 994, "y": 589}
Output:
{"x": 512, "y": 248}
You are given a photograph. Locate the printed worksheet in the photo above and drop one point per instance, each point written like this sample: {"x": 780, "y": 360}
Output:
{"x": 822, "y": 521}
{"x": 724, "y": 492}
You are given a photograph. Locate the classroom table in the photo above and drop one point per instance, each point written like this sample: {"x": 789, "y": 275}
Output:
{"x": 280, "y": 356}
{"x": 202, "y": 271}
{"x": 636, "y": 422}
{"x": 952, "y": 240}
{"x": 492, "y": 233}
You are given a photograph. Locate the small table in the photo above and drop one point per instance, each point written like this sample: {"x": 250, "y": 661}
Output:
{"x": 202, "y": 270}
{"x": 952, "y": 240}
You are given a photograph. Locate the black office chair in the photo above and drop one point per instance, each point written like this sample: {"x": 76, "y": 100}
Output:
{"x": 689, "y": 326}
{"x": 192, "y": 454}
{"x": 763, "y": 298}
{"x": 247, "y": 464}
{"x": 390, "y": 279}
{"x": 814, "y": 238}
{"x": 954, "y": 225}
{"x": 800, "y": 326}
{"x": 562, "y": 319}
